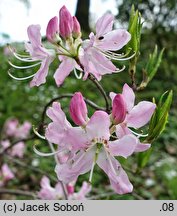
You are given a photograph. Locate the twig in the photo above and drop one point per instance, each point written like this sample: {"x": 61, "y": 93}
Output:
{"x": 17, "y": 192}
{"x": 63, "y": 96}
{"x": 102, "y": 91}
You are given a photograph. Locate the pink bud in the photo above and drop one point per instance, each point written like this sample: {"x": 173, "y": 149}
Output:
{"x": 70, "y": 188}
{"x": 78, "y": 109}
{"x": 52, "y": 29}
{"x": 118, "y": 109}
{"x": 66, "y": 22}
{"x": 76, "y": 28}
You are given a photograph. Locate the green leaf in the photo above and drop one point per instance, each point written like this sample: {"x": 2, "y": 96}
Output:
{"x": 134, "y": 29}
{"x": 153, "y": 63}
{"x": 143, "y": 158}
{"x": 160, "y": 117}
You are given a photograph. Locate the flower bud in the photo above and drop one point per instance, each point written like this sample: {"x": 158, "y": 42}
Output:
{"x": 76, "y": 28}
{"x": 66, "y": 23}
{"x": 78, "y": 109}
{"x": 118, "y": 109}
{"x": 70, "y": 188}
{"x": 52, "y": 30}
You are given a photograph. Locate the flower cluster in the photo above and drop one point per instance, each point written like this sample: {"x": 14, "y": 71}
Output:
{"x": 48, "y": 192}
{"x": 13, "y": 132}
{"x": 91, "y": 56}
{"x": 97, "y": 140}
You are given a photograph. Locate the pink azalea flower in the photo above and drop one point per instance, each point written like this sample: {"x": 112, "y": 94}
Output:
{"x": 81, "y": 194}
{"x": 18, "y": 150}
{"x": 94, "y": 146}
{"x": 57, "y": 131}
{"x": 11, "y": 127}
{"x": 136, "y": 115}
{"x": 38, "y": 53}
{"x": 14, "y": 130}
{"x": 97, "y": 51}
{"x": 68, "y": 25}
{"x": 5, "y": 144}
{"x": 5, "y": 174}
{"x": 47, "y": 192}
{"x": 23, "y": 130}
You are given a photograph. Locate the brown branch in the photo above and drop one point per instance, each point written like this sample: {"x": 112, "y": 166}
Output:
{"x": 102, "y": 91}
{"x": 18, "y": 192}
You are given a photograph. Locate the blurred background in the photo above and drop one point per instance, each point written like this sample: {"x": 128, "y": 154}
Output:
{"x": 158, "y": 180}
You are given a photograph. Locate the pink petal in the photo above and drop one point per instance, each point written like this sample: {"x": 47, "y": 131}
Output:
{"x": 66, "y": 66}
{"x": 77, "y": 137}
{"x": 34, "y": 35}
{"x": 141, "y": 147}
{"x": 114, "y": 40}
{"x": 49, "y": 193}
{"x": 98, "y": 126}
{"x": 81, "y": 195}
{"x": 104, "y": 24}
{"x": 18, "y": 150}
{"x": 57, "y": 131}
{"x": 56, "y": 114}
{"x": 112, "y": 95}
{"x": 80, "y": 164}
{"x": 117, "y": 176}
{"x": 140, "y": 114}
{"x": 122, "y": 130}
{"x": 129, "y": 96}
{"x": 104, "y": 63}
{"x": 40, "y": 76}
{"x": 123, "y": 147}
{"x": 7, "y": 174}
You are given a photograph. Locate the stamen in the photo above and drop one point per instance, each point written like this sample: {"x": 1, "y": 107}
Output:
{"x": 17, "y": 54}
{"x": 139, "y": 135}
{"x": 76, "y": 74}
{"x": 91, "y": 172}
{"x": 23, "y": 67}
{"x": 113, "y": 57}
{"x": 20, "y": 78}
{"x": 37, "y": 133}
{"x": 44, "y": 154}
{"x": 120, "y": 70}
{"x": 23, "y": 59}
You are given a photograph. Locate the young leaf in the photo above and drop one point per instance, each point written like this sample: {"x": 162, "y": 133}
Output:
{"x": 160, "y": 117}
